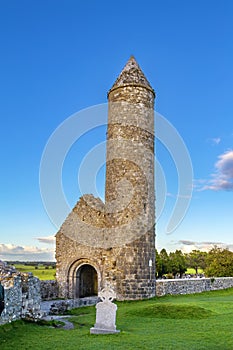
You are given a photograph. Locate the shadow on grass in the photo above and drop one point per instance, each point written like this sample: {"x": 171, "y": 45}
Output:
{"x": 171, "y": 311}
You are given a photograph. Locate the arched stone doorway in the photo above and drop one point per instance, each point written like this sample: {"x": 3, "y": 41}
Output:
{"x": 87, "y": 281}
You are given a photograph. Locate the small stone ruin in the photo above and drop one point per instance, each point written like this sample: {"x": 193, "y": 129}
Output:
{"x": 22, "y": 294}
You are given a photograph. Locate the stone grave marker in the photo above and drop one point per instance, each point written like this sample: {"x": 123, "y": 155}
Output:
{"x": 105, "y": 313}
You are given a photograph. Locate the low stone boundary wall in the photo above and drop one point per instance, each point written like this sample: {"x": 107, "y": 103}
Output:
{"x": 22, "y": 298}
{"x": 49, "y": 289}
{"x": 60, "y": 307}
{"x": 192, "y": 285}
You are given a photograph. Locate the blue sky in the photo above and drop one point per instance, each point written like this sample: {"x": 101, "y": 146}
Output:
{"x": 59, "y": 57}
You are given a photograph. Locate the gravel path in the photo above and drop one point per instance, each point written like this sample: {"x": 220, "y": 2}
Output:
{"x": 68, "y": 325}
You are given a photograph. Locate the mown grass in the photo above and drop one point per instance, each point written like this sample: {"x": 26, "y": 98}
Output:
{"x": 41, "y": 272}
{"x": 193, "y": 322}
{"x": 192, "y": 271}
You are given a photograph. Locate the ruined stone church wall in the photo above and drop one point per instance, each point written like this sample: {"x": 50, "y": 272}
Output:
{"x": 68, "y": 264}
{"x": 49, "y": 289}
{"x": 22, "y": 294}
{"x": 124, "y": 268}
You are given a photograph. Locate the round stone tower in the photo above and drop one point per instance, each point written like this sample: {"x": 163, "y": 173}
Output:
{"x": 130, "y": 192}
{"x": 113, "y": 243}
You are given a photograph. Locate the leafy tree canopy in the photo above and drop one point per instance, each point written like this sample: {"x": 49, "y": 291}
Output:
{"x": 219, "y": 263}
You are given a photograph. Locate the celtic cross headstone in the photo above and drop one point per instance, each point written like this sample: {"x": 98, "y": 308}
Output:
{"x": 105, "y": 313}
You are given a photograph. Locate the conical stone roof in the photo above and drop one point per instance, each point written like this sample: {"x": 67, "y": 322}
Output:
{"x": 131, "y": 75}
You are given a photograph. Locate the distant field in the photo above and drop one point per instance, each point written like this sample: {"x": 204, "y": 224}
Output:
{"x": 194, "y": 322}
{"x": 41, "y": 271}
{"x": 191, "y": 271}
{"x": 48, "y": 272}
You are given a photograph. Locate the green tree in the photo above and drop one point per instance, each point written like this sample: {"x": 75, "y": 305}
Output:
{"x": 162, "y": 263}
{"x": 158, "y": 264}
{"x": 178, "y": 264}
{"x": 196, "y": 259}
{"x": 219, "y": 263}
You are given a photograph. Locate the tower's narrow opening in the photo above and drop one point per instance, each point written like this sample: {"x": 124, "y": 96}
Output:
{"x": 87, "y": 281}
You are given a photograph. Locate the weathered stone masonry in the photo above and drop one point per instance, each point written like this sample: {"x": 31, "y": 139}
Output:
{"x": 22, "y": 294}
{"x": 192, "y": 285}
{"x": 49, "y": 289}
{"x": 113, "y": 242}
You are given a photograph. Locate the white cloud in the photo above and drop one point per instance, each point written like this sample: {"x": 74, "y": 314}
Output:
{"x": 25, "y": 253}
{"x": 222, "y": 178}
{"x": 48, "y": 239}
{"x": 225, "y": 164}
{"x": 187, "y": 246}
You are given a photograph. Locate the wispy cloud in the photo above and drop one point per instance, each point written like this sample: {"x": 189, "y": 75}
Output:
{"x": 186, "y": 242}
{"x": 48, "y": 239}
{"x": 222, "y": 178}
{"x": 214, "y": 141}
{"x": 187, "y": 246}
{"x": 25, "y": 253}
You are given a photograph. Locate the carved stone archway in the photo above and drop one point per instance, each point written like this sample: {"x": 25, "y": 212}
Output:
{"x": 84, "y": 279}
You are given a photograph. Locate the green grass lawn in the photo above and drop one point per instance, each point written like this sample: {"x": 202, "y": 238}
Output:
{"x": 198, "y": 321}
{"x": 41, "y": 272}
